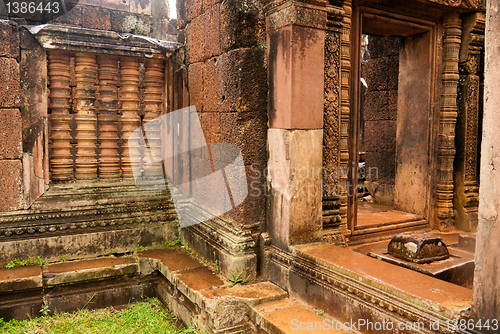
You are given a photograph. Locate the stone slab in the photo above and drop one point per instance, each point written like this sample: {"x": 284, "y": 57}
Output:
{"x": 252, "y": 294}
{"x": 199, "y": 279}
{"x": 287, "y": 316}
{"x": 173, "y": 258}
{"x": 87, "y": 270}
{"x": 20, "y": 278}
{"x": 429, "y": 293}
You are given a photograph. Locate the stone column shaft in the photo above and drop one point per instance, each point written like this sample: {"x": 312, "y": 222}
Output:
{"x": 296, "y": 39}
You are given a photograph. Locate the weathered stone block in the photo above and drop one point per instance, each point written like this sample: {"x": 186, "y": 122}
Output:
{"x": 130, "y": 23}
{"x": 117, "y": 5}
{"x": 380, "y": 105}
{"x": 296, "y": 75}
{"x": 203, "y": 36}
{"x": 194, "y": 41}
{"x": 418, "y": 247}
{"x": 10, "y": 134}
{"x": 241, "y": 26}
{"x": 193, "y": 9}
{"x": 96, "y": 18}
{"x": 380, "y": 136}
{"x": 211, "y": 28}
{"x": 376, "y": 73}
{"x": 245, "y": 130}
{"x": 212, "y": 89}
{"x": 11, "y": 187}
{"x": 381, "y": 166}
{"x": 33, "y": 186}
{"x": 209, "y": 3}
{"x": 73, "y": 18}
{"x": 9, "y": 39}
{"x": 196, "y": 85}
{"x": 10, "y": 89}
{"x": 294, "y": 186}
{"x": 243, "y": 80}
{"x": 253, "y": 208}
{"x": 379, "y": 46}
{"x": 141, "y": 7}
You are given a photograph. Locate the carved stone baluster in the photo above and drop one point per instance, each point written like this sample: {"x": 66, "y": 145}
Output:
{"x": 61, "y": 162}
{"x": 86, "y": 76}
{"x": 153, "y": 99}
{"x": 448, "y": 118}
{"x": 109, "y": 160}
{"x": 130, "y": 111}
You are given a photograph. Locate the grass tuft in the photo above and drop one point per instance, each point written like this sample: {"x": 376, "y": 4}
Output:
{"x": 147, "y": 317}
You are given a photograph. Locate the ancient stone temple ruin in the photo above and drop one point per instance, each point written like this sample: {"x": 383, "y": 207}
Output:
{"x": 249, "y": 162}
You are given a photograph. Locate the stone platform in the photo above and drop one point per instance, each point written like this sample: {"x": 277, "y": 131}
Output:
{"x": 194, "y": 290}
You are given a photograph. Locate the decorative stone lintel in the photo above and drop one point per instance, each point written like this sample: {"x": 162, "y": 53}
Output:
{"x": 460, "y": 4}
{"x": 310, "y": 13}
{"x": 103, "y": 42}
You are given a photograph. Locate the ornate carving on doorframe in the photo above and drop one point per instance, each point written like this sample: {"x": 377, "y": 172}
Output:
{"x": 445, "y": 214}
{"x": 345, "y": 69}
{"x": 331, "y": 125}
{"x": 466, "y": 197}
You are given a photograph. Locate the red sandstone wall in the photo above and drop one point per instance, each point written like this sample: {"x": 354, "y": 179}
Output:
{"x": 380, "y": 107}
{"x": 225, "y": 48}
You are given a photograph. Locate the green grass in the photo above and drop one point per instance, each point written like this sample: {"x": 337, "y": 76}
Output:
{"x": 145, "y": 317}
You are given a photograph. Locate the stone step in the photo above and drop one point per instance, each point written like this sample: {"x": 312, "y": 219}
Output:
{"x": 350, "y": 285}
{"x": 288, "y": 316}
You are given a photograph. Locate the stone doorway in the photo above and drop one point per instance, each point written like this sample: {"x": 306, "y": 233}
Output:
{"x": 393, "y": 123}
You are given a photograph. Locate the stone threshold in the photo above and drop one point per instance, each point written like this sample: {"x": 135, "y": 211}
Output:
{"x": 195, "y": 293}
{"x": 389, "y": 290}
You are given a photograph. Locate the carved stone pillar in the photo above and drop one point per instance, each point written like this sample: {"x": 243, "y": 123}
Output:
{"x": 448, "y": 117}
{"x": 130, "y": 112}
{"x": 86, "y": 76}
{"x": 331, "y": 126}
{"x": 153, "y": 100}
{"x": 466, "y": 195}
{"x": 61, "y": 162}
{"x": 109, "y": 160}
{"x": 295, "y": 37}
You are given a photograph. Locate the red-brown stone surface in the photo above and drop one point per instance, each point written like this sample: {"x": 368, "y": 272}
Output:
{"x": 11, "y": 190}
{"x": 195, "y": 85}
{"x": 10, "y": 89}
{"x": 211, "y": 29}
{"x": 10, "y": 134}
{"x": 243, "y": 80}
{"x": 203, "y": 36}
{"x": 241, "y": 25}
{"x": 212, "y": 90}
{"x": 96, "y": 18}
{"x": 193, "y": 9}
{"x": 9, "y": 40}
